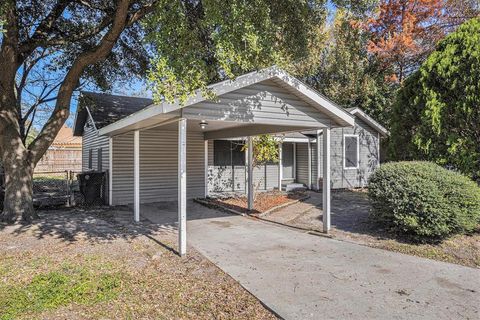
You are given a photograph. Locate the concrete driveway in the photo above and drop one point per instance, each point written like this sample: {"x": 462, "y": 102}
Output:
{"x": 303, "y": 276}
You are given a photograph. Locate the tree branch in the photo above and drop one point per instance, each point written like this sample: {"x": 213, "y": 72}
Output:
{"x": 43, "y": 30}
{"x": 62, "y": 106}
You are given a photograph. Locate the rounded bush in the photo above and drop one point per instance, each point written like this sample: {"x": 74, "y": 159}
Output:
{"x": 423, "y": 200}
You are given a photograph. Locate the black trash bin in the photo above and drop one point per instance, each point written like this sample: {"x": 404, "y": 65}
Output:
{"x": 91, "y": 186}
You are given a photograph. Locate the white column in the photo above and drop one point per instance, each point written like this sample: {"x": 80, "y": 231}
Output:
{"x": 110, "y": 171}
{"x": 182, "y": 186}
{"x": 318, "y": 161}
{"x": 136, "y": 175}
{"x": 326, "y": 180}
{"x": 294, "y": 160}
{"x": 309, "y": 164}
{"x": 280, "y": 166}
{"x": 206, "y": 169}
{"x": 250, "y": 173}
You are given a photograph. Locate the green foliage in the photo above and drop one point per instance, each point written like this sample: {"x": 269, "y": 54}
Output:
{"x": 436, "y": 113}
{"x": 197, "y": 43}
{"x": 265, "y": 149}
{"x": 348, "y": 75}
{"x": 423, "y": 200}
{"x": 67, "y": 285}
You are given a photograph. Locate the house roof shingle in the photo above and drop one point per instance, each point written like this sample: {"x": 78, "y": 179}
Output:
{"x": 105, "y": 109}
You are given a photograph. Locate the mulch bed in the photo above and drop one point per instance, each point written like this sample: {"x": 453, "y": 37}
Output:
{"x": 263, "y": 201}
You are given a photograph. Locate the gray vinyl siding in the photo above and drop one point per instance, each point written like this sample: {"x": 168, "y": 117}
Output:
{"x": 263, "y": 102}
{"x": 91, "y": 141}
{"x": 158, "y": 166}
{"x": 228, "y": 178}
{"x": 342, "y": 178}
{"x": 368, "y": 156}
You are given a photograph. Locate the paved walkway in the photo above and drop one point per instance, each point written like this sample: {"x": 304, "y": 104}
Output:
{"x": 302, "y": 276}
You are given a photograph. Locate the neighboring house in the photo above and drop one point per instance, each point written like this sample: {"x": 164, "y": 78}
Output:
{"x": 65, "y": 153}
{"x": 173, "y": 151}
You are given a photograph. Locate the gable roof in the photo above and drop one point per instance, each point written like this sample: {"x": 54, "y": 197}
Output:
{"x": 114, "y": 112}
{"x": 65, "y": 139}
{"x": 369, "y": 120}
{"x": 339, "y": 116}
{"x": 105, "y": 109}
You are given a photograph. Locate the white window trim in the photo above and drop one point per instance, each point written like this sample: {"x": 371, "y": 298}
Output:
{"x": 358, "y": 152}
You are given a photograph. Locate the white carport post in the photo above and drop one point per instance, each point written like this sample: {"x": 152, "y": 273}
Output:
{"x": 250, "y": 172}
{"x": 136, "y": 175}
{"x": 280, "y": 166}
{"x": 205, "y": 160}
{"x": 318, "y": 161}
{"x": 182, "y": 187}
{"x": 326, "y": 180}
{"x": 309, "y": 154}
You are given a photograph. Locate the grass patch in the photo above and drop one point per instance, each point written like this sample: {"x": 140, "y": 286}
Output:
{"x": 66, "y": 285}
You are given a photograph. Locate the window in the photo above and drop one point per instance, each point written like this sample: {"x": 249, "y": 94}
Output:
{"x": 228, "y": 153}
{"x": 350, "y": 151}
{"x": 99, "y": 159}
{"x": 90, "y": 158}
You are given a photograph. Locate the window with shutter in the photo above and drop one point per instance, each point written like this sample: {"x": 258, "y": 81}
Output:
{"x": 350, "y": 152}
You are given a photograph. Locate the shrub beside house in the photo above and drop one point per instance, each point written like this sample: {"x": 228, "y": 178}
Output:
{"x": 424, "y": 200}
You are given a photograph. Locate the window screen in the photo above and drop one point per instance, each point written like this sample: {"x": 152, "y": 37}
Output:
{"x": 99, "y": 159}
{"x": 351, "y": 151}
{"x": 90, "y": 158}
{"x": 238, "y": 156}
{"x": 228, "y": 153}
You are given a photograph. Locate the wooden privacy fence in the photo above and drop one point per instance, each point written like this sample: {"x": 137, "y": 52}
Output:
{"x": 56, "y": 160}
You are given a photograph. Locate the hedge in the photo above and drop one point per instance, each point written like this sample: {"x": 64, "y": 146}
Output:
{"x": 423, "y": 200}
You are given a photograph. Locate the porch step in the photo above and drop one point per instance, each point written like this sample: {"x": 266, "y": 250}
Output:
{"x": 293, "y": 186}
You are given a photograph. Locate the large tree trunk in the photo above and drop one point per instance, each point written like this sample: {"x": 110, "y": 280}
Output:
{"x": 18, "y": 169}
{"x": 18, "y": 201}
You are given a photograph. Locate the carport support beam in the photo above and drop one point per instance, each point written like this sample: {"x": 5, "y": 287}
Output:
{"x": 250, "y": 172}
{"x": 182, "y": 187}
{"x": 326, "y": 180}
{"x": 319, "y": 154}
{"x": 136, "y": 175}
{"x": 280, "y": 166}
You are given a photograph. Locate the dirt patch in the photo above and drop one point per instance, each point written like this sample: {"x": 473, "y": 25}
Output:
{"x": 93, "y": 264}
{"x": 350, "y": 222}
{"x": 263, "y": 201}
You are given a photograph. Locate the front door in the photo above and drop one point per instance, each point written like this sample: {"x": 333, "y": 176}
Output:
{"x": 287, "y": 161}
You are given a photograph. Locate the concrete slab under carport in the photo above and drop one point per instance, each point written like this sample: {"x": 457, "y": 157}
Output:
{"x": 302, "y": 276}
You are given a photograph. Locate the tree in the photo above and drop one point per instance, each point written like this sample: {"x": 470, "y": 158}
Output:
{"x": 68, "y": 36}
{"x": 200, "y": 42}
{"x": 348, "y": 74}
{"x": 265, "y": 149}
{"x": 192, "y": 43}
{"x": 437, "y": 113}
{"x": 404, "y": 32}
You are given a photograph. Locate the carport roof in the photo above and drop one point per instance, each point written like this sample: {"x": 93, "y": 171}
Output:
{"x": 127, "y": 115}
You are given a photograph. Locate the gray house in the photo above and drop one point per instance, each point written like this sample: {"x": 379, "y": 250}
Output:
{"x": 173, "y": 151}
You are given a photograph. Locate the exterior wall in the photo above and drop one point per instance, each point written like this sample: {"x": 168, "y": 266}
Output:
{"x": 234, "y": 178}
{"x": 158, "y": 166}
{"x": 91, "y": 140}
{"x": 342, "y": 178}
{"x": 264, "y": 102}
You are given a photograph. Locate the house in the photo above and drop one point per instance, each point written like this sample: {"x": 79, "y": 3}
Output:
{"x": 173, "y": 151}
{"x": 65, "y": 153}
